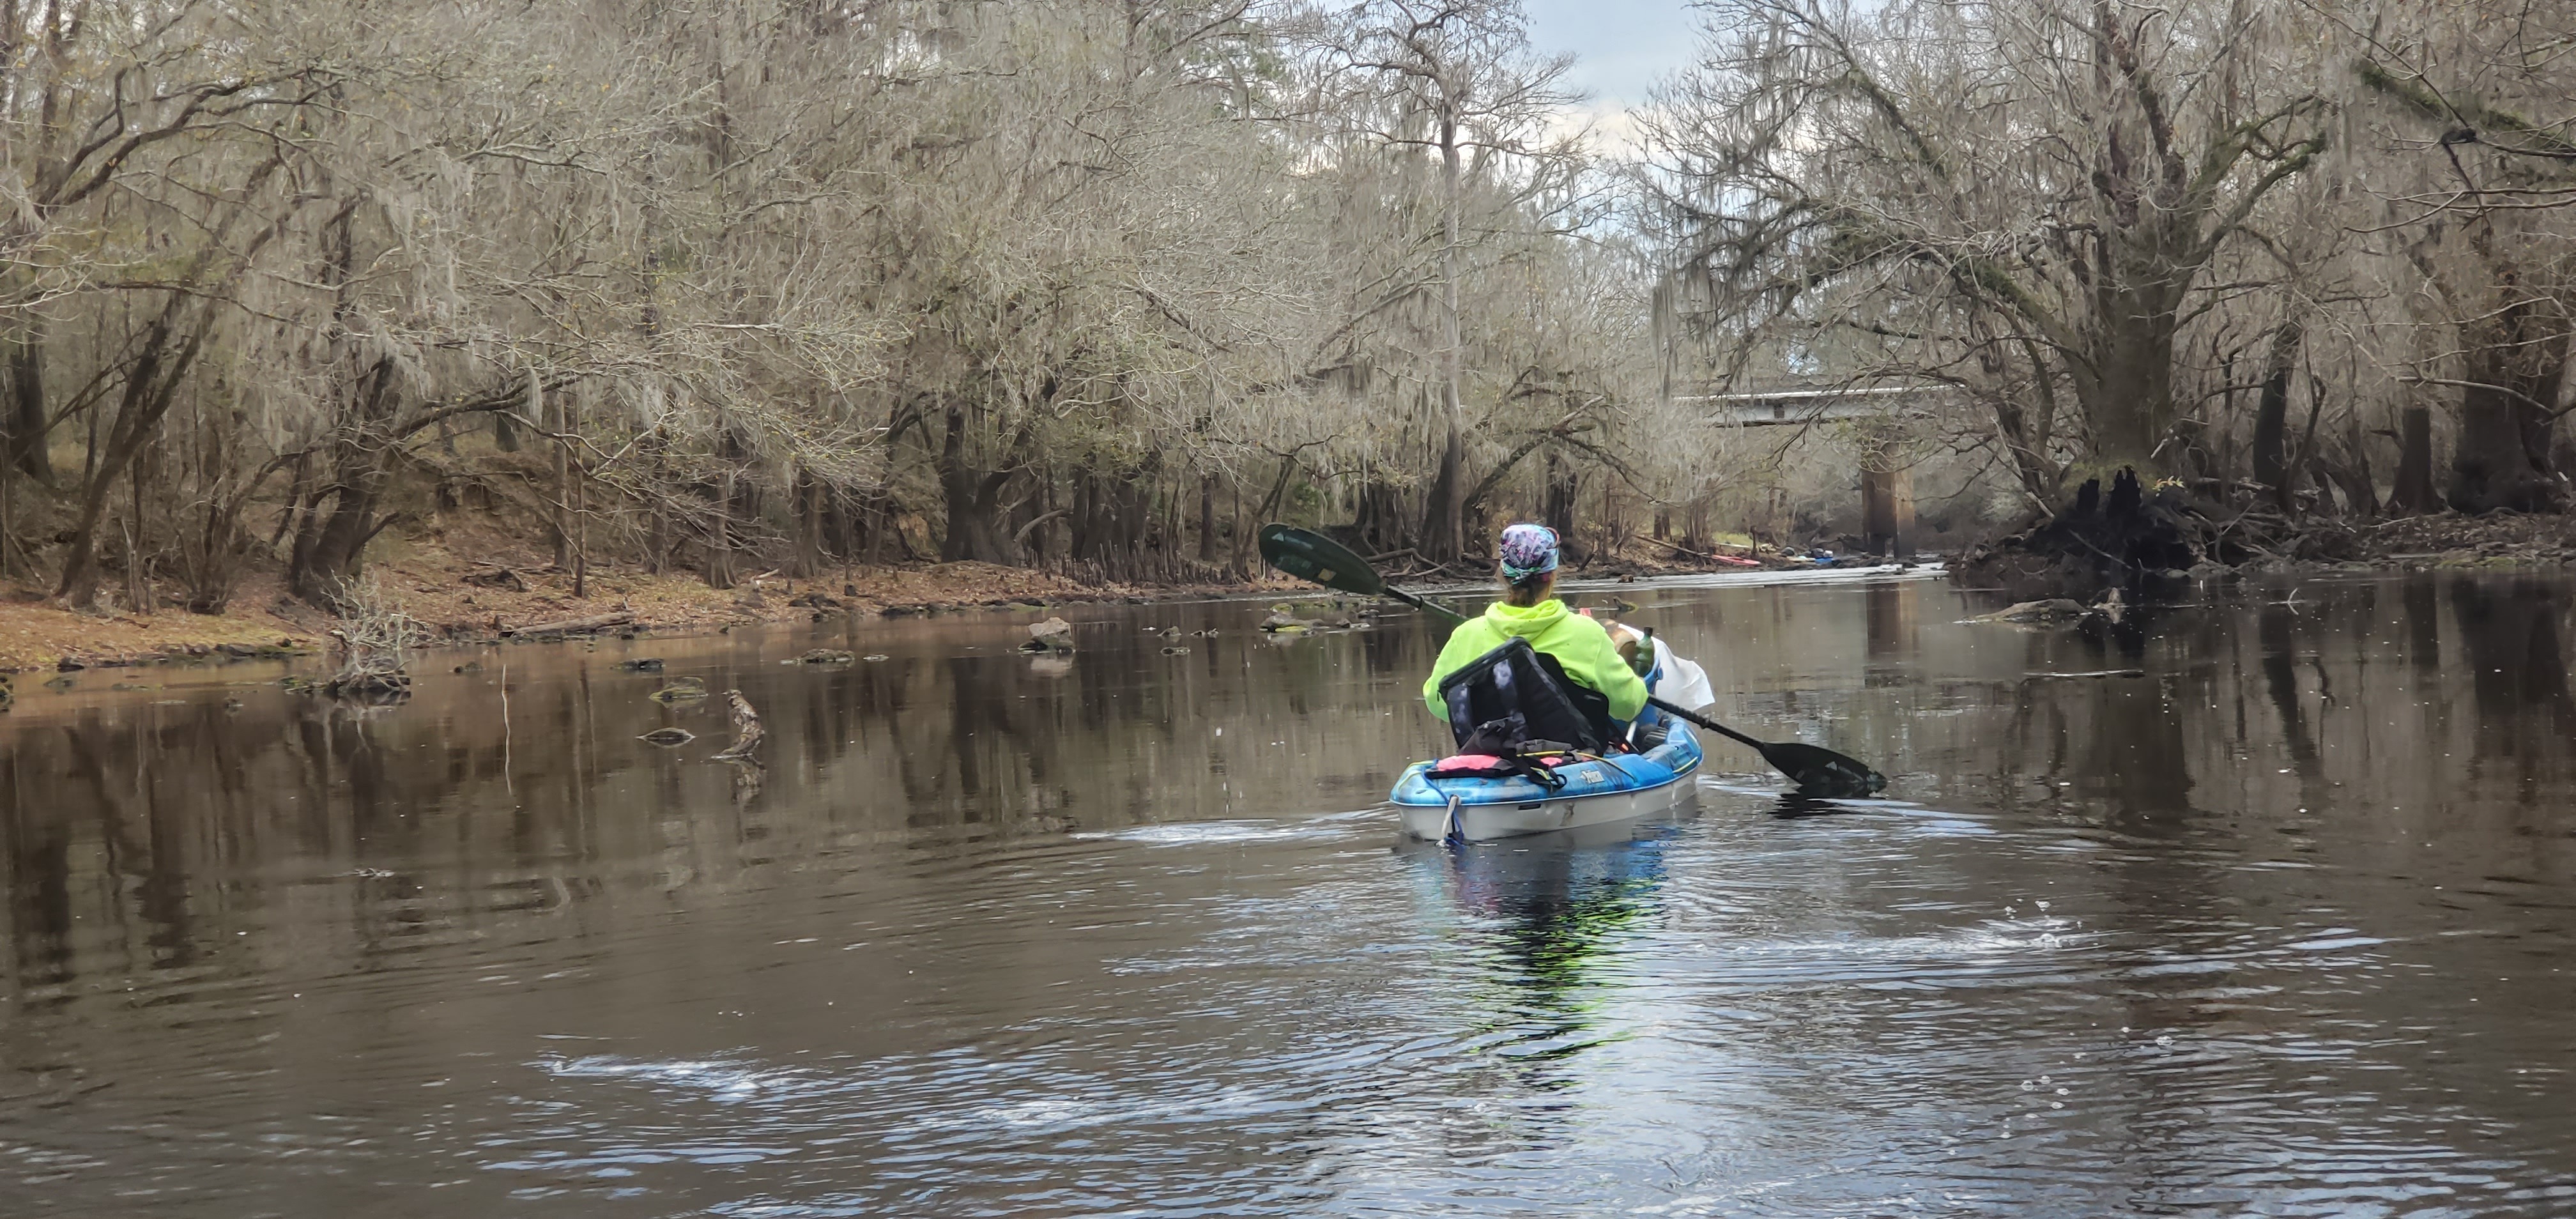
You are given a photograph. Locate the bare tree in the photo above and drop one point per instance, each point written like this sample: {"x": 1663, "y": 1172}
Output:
{"x": 1458, "y": 78}
{"x": 2027, "y": 193}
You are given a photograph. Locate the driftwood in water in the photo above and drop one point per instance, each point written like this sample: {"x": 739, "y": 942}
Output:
{"x": 575, "y": 626}
{"x": 746, "y": 728}
{"x": 375, "y": 647}
{"x": 2054, "y": 609}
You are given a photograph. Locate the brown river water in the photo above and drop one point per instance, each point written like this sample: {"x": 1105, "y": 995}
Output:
{"x": 2285, "y": 926}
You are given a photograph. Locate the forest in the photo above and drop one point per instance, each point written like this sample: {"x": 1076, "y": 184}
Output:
{"x": 1095, "y": 286}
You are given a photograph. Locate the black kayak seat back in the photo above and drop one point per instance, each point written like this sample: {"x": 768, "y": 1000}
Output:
{"x": 1520, "y": 695}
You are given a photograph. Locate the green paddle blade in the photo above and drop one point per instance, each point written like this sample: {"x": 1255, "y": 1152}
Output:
{"x": 1308, "y": 555}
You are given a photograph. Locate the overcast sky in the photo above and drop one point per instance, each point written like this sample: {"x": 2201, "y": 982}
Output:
{"x": 1620, "y": 46}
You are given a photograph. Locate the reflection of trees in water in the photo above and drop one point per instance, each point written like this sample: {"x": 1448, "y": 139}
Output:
{"x": 2523, "y": 727}
{"x": 2133, "y": 758}
{"x": 1560, "y": 911}
{"x": 130, "y": 824}
{"x": 1892, "y": 622}
{"x": 2279, "y": 661}
{"x": 39, "y": 878}
{"x": 2423, "y": 624}
{"x": 2517, "y": 668}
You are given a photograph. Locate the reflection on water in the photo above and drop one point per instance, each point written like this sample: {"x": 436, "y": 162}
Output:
{"x": 1550, "y": 913}
{"x": 2279, "y": 926}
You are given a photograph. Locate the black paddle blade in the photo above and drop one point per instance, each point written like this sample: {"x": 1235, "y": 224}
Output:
{"x": 1308, "y": 555}
{"x": 1822, "y": 772}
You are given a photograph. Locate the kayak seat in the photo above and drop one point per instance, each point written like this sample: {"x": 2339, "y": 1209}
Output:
{"x": 1516, "y": 700}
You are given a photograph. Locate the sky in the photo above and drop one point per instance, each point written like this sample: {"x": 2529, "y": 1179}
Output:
{"x": 1620, "y": 46}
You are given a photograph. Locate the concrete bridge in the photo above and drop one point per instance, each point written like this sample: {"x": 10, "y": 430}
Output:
{"x": 1799, "y": 407}
{"x": 1886, "y": 496}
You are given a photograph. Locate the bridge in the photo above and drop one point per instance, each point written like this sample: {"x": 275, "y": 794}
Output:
{"x": 1800, "y": 407}
{"x": 1886, "y": 496}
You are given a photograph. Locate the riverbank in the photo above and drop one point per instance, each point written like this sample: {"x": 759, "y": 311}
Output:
{"x": 2124, "y": 538}
{"x": 463, "y": 594}
{"x": 2442, "y": 541}
{"x": 483, "y": 587}
{"x": 470, "y": 581}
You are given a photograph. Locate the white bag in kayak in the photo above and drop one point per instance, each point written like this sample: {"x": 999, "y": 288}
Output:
{"x": 1680, "y": 682}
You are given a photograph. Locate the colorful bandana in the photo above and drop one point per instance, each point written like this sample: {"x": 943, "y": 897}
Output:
{"x": 1527, "y": 550}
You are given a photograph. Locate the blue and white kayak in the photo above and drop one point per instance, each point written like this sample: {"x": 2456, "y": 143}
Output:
{"x": 1597, "y": 790}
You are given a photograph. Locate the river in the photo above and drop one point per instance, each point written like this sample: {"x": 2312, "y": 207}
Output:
{"x": 2285, "y": 924}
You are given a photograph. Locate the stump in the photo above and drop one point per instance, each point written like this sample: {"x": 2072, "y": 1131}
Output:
{"x": 2098, "y": 543}
{"x": 746, "y": 728}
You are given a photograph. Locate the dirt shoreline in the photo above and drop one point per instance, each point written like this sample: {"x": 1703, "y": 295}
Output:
{"x": 507, "y": 596}
{"x": 470, "y": 580}
{"x": 2442, "y": 541}
{"x": 502, "y": 590}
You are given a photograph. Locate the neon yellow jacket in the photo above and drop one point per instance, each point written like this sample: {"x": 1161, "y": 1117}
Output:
{"x": 1578, "y": 643}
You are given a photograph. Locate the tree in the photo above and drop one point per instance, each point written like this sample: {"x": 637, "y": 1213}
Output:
{"x": 2031, "y": 193}
{"x": 1457, "y": 78}
{"x": 2479, "y": 192}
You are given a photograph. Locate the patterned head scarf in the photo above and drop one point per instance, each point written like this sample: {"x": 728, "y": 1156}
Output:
{"x": 1527, "y": 551}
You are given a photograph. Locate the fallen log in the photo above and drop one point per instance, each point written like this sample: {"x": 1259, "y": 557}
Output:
{"x": 573, "y": 626}
{"x": 498, "y": 576}
{"x": 1710, "y": 557}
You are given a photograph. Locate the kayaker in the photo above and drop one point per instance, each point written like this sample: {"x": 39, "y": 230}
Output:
{"x": 1526, "y": 563}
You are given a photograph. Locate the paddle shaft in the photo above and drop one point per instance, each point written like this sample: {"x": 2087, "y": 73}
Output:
{"x": 1456, "y": 618}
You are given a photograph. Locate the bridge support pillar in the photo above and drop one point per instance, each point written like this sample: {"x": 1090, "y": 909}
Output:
{"x": 1887, "y": 512}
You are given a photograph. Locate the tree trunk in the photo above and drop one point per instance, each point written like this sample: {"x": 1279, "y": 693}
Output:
{"x": 580, "y": 532}
{"x": 152, "y": 383}
{"x": 1240, "y": 564}
{"x": 79, "y": 584}
{"x": 2492, "y": 465}
{"x": 1383, "y": 523}
{"x": 2027, "y": 435}
{"x": 138, "y": 587}
{"x": 880, "y": 520}
{"x": 657, "y": 515}
{"x": 1207, "y": 518}
{"x": 720, "y": 543}
{"x": 332, "y": 548}
{"x": 329, "y": 549}
{"x": 335, "y": 552}
{"x": 2128, "y": 399}
{"x": 22, "y": 415}
{"x": 807, "y": 503}
{"x": 2272, "y": 414}
{"x": 1444, "y": 528}
{"x": 971, "y": 496}
{"x": 550, "y": 408}
{"x": 1563, "y": 483}
{"x": 2413, "y": 494}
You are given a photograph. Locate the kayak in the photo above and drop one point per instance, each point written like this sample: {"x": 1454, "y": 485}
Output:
{"x": 1596, "y": 790}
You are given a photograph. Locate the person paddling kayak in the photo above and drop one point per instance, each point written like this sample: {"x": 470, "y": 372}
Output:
{"x": 1579, "y": 647}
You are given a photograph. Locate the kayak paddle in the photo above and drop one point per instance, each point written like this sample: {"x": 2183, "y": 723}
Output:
{"x": 1308, "y": 555}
